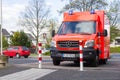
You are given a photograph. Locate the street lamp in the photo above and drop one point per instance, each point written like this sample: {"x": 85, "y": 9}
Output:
{"x": 1, "y": 30}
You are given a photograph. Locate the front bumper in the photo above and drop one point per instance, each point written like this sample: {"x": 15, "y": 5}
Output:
{"x": 88, "y": 54}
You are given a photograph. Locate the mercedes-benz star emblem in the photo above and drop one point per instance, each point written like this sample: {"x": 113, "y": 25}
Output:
{"x": 69, "y": 43}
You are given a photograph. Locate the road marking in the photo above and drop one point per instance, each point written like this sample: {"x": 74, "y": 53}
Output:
{"x": 31, "y": 74}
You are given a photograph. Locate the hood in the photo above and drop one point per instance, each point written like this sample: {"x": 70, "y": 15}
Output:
{"x": 74, "y": 37}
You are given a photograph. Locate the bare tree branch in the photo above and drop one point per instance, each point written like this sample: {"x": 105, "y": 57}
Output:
{"x": 34, "y": 18}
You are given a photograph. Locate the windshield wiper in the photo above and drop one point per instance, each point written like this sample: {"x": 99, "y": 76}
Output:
{"x": 84, "y": 33}
{"x": 62, "y": 34}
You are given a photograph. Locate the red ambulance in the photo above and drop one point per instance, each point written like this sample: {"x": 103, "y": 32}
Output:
{"x": 92, "y": 28}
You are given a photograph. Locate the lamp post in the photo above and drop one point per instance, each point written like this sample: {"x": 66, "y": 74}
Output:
{"x": 1, "y": 29}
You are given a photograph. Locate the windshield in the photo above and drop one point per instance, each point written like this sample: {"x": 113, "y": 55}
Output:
{"x": 78, "y": 27}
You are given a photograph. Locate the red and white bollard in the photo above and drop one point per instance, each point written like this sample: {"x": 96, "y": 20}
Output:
{"x": 81, "y": 55}
{"x": 40, "y": 55}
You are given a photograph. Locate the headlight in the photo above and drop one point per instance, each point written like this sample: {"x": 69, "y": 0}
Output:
{"x": 89, "y": 43}
{"x": 53, "y": 43}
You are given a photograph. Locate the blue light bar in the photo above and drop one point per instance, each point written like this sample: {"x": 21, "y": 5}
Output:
{"x": 92, "y": 11}
{"x": 70, "y": 12}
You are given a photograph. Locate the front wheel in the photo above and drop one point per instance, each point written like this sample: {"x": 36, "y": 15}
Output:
{"x": 26, "y": 56}
{"x": 104, "y": 61}
{"x": 95, "y": 62}
{"x": 11, "y": 56}
{"x": 56, "y": 62}
{"x": 18, "y": 55}
{"x": 77, "y": 62}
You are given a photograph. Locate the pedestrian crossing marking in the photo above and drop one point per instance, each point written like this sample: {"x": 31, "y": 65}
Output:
{"x": 30, "y": 74}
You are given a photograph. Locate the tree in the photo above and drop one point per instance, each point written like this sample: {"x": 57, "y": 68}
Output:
{"x": 84, "y": 5}
{"x": 114, "y": 16}
{"x": 114, "y": 12}
{"x": 5, "y": 42}
{"x": 34, "y": 19}
{"x": 14, "y": 39}
{"x": 20, "y": 39}
{"x": 52, "y": 23}
{"x": 114, "y": 33}
{"x": 24, "y": 40}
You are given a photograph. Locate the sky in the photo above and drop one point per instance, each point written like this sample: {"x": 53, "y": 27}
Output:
{"x": 12, "y": 10}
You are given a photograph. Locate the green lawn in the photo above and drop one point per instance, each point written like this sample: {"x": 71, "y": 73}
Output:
{"x": 33, "y": 55}
{"x": 44, "y": 54}
{"x": 115, "y": 50}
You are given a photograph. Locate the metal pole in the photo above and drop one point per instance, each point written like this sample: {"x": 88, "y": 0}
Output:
{"x": 1, "y": 30}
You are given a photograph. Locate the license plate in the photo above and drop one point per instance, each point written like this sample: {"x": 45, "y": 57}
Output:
{"x": 68, "y": 55}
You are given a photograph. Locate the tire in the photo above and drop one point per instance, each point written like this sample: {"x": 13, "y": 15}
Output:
{"x": 95, "y": 62}
{"x": 56, "y": 62}
{"x": 3, "y": 53}
{"x": 11, "y": 56}
{"x": 18, "y": 55}
{"x": 26, "y": 56}
{"x": 104, "y": 61}
{"x": 76, "y": 62}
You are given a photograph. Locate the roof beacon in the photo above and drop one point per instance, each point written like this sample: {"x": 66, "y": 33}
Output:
{"x": 70, "y": 12}
{"x": 92, "y": 11}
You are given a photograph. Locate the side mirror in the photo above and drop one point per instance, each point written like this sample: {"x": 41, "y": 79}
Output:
{"x": 98, "y": 34}
{"x": 53, "y": 33}
{"x": 105, "y": 33}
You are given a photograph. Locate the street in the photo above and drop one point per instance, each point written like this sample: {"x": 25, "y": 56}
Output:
{"x": 32, "y": 62}
{"x": 65, "y": 71}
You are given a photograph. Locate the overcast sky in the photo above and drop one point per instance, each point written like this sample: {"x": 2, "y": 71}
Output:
{"x": 12, "y": 10}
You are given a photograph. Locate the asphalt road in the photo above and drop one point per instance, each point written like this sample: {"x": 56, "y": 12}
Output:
{"x": 67, "y": 70}
{"x": 85, "y": 75}
{"x": 32, "y": 62}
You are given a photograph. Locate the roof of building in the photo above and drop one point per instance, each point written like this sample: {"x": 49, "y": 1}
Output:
{"x": 5, "y": 32}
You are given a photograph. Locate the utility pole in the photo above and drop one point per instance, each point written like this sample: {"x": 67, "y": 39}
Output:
{"x": 1, "y": 29}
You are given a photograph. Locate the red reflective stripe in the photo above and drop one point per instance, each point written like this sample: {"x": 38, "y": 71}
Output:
{"x": 81, "y": 52}
{"x": 81, "y": 59}
{"x": 39, "y": 44}
{"x": 80, "y": 43}
{"x": 40, "y": 51}
{"x": 40, "y": 58}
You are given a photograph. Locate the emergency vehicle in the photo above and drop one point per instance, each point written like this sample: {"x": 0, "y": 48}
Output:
{"x": 90, "y": 27}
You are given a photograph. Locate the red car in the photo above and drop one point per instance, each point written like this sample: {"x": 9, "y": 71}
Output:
{"x": 17, "y": 51}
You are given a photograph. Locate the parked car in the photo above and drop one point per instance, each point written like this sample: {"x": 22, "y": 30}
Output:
{"x": 17, "y": 51}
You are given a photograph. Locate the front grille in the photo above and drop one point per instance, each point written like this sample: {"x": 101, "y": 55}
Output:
{"x": 69, "y": 52}
{"x": 68, "y": 44}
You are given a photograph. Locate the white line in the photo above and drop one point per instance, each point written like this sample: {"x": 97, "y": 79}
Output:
{"x": 40, "y": 64}
{"x": 81, "y": 55}
{"x": 31, "y": 74}
{"x": 80, "y": 47}
{"x": 81, "y": 66}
